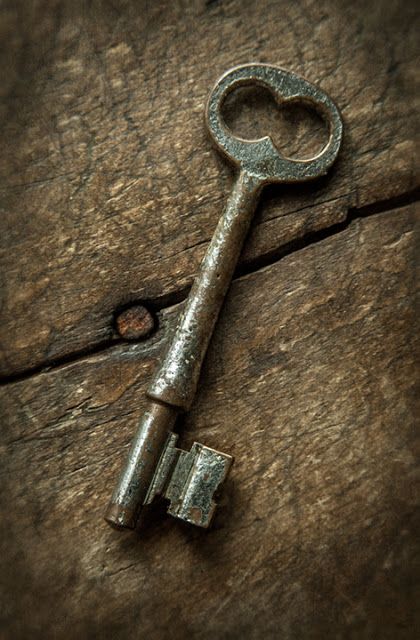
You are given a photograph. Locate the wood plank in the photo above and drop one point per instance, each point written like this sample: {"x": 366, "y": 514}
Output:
{"x": 110, "y": 189}
{"x": 311, "y": 383}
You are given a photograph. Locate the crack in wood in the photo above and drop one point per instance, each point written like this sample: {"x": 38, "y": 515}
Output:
{"x": 178, "y": 296}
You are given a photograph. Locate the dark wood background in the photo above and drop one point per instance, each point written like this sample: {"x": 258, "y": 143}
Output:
{"x": 109, "y": 194}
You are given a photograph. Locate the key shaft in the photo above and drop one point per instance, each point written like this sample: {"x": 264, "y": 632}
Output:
{"x": 175, "y": 383}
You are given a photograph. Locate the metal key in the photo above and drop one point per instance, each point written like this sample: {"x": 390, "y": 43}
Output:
{"x": 154, "y": 465}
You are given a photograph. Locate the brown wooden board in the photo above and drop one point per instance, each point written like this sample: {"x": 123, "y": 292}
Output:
{"x": 109, "y": 187}
{"x": 311, "y": 383}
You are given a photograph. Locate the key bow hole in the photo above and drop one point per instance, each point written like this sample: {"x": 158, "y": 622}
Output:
{"x": 297, "y": 130}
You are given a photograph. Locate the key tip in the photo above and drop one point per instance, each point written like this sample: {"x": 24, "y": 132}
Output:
{"x": 120, "y": 517}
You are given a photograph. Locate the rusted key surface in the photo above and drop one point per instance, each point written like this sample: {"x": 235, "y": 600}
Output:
{"x": 154, "y": 465}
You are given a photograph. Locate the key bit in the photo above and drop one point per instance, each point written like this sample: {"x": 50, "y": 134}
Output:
{"x": 155, "y": 466}
{"x": 189, "y": 480}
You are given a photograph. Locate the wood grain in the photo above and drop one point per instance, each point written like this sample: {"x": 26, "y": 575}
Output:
{"x": 110, "y": 189}
{"x": 311, "y": 382}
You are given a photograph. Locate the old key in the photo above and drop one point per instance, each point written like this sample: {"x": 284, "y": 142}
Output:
{"x": 154, "y": 465}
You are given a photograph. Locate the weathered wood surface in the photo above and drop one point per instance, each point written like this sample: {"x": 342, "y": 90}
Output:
{"x": 311, "y": 383}
{"x": 109, "y": 187}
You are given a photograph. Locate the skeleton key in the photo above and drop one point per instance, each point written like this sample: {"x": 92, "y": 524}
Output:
{"x": 155, "y": 466}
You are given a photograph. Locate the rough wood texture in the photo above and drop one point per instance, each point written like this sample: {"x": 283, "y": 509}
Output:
{"x": 310, "y": 383}
{"x": 109, "y": 186}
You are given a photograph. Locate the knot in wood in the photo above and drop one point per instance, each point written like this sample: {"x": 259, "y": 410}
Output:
{"x": 135, "y": 323}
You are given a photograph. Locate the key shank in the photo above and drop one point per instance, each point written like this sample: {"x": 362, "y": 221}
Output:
{"x": 173, "y": 387}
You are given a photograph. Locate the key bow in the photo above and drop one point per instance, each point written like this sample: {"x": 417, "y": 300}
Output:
{"x": 260, "y": 157}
